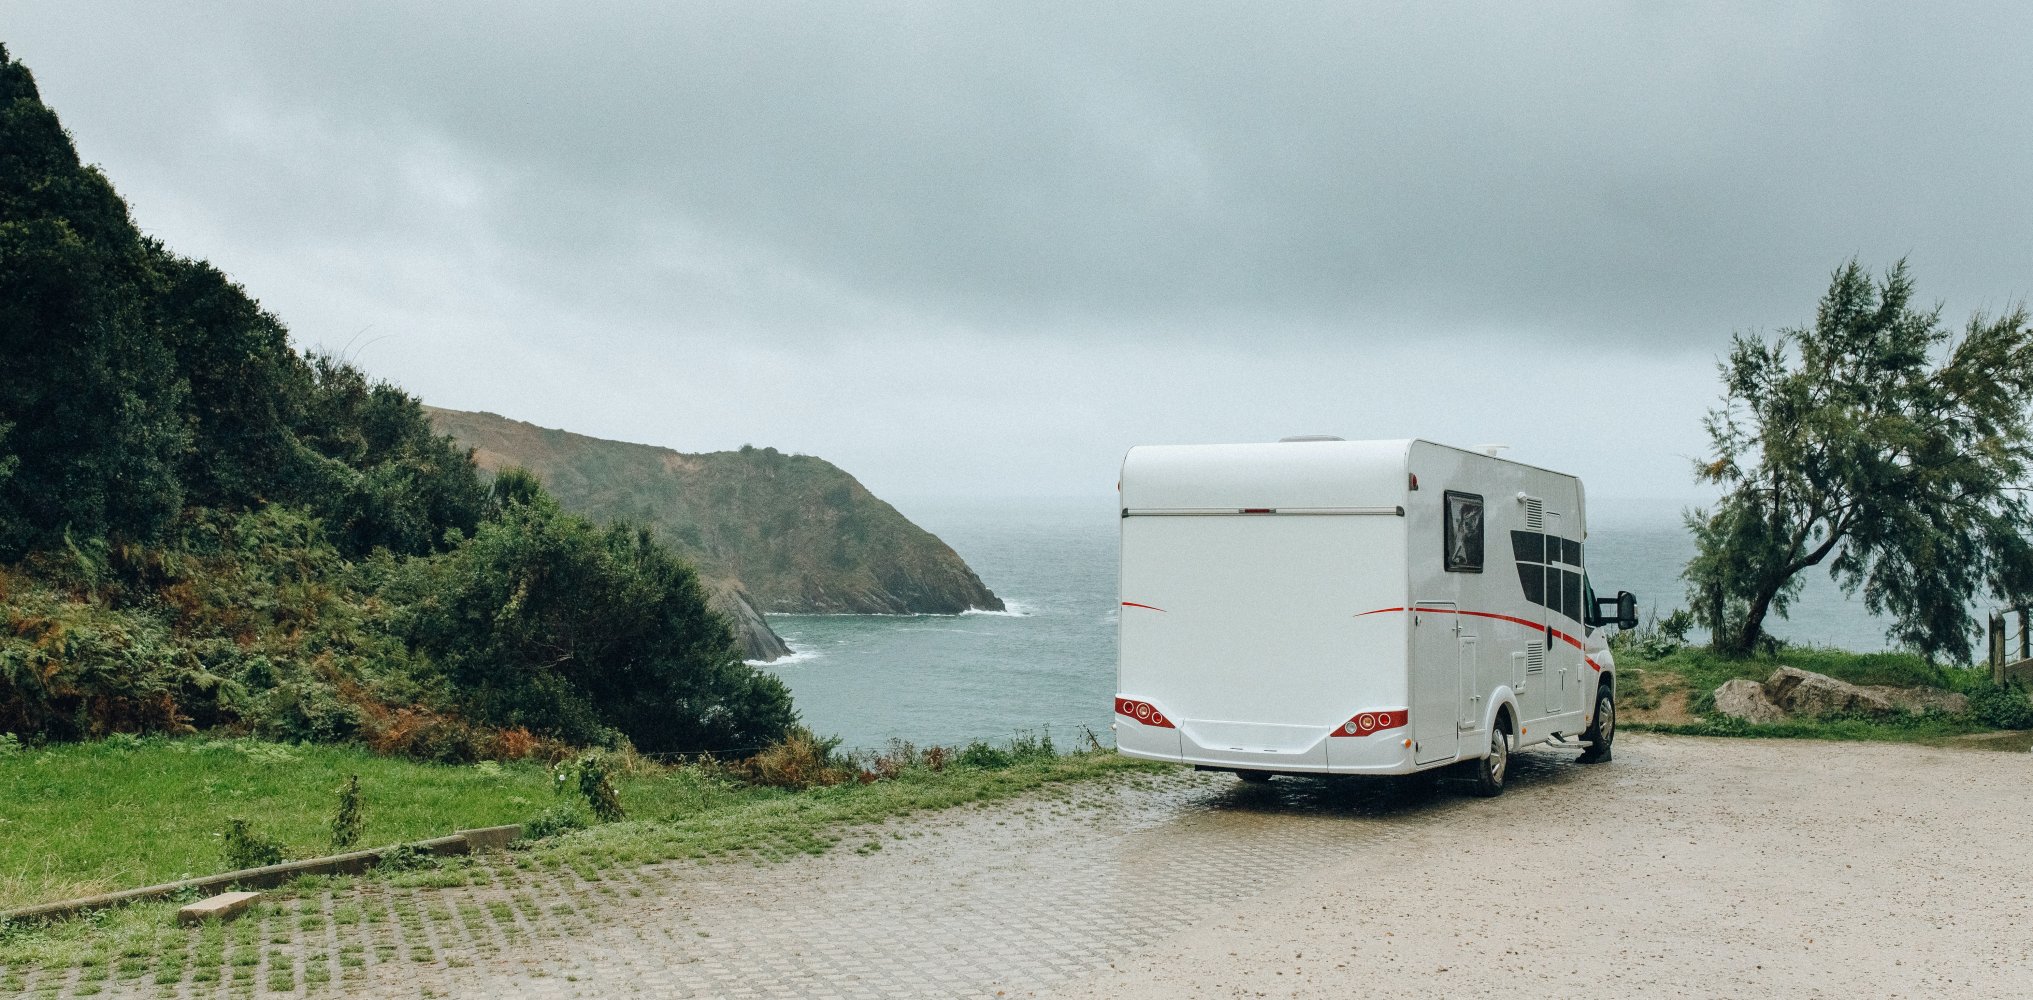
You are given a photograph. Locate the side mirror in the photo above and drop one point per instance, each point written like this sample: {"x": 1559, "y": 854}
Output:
{"x": 1626, "y": 614}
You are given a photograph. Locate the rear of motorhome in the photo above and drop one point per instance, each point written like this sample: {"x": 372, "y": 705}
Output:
{"x": 1319, "y": 606}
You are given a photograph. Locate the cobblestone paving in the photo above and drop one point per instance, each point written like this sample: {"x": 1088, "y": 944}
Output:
{"x": 991, "y": 901}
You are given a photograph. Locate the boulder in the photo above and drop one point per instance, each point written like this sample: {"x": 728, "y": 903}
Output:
{"x": 1746, "y": 700}
{"x": 1920, "y": 700}
{"x": 1804, "y": 692}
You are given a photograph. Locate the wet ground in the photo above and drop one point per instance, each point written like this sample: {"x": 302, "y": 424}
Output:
{"x": 1686, "y": 867}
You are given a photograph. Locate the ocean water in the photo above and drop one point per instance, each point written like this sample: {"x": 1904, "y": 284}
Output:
{"x": 1049, "y": 662}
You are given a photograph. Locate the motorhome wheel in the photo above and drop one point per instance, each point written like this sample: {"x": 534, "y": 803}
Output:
{"x": 1602, "y": 733}
{"x": 1491, "y": 770}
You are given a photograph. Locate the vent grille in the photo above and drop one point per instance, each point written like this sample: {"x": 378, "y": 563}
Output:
{"x": 1535, "y": 514}
{"x": 1535, "y": 658}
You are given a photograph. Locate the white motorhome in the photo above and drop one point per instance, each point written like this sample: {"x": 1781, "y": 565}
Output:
{"x": 1320, "y": 606}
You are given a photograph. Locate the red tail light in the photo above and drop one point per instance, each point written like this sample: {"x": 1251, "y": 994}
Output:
{"x": 1142, "y": 711}
{"x": 1373, "y": 722}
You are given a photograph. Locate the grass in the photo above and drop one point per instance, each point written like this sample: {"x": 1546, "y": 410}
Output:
{"x": 141, "y": 811}
{"x": 81, "y": 818}
{"x": 1674, "y": 693}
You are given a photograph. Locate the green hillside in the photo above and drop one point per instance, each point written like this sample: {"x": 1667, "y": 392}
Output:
{"x": 795, "y": 532}
{"x": 201, "y": 528}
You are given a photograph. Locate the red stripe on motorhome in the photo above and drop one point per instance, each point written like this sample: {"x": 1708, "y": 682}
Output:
{"x": 1535, "y": 626}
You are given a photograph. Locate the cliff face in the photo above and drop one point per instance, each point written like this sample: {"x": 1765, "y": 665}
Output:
{"x": 792, "y": 532}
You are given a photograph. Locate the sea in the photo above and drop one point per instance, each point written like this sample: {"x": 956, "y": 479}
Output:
{"x": 1046, "y": 665}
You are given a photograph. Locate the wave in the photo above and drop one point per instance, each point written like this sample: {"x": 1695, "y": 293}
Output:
{"x": 797, "y": 656}
{"x": 1010, "y": 609}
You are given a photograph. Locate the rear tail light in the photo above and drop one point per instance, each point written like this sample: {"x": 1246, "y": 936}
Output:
{"x": 1373, "y": 722}
{"x": 1142, "y": 711}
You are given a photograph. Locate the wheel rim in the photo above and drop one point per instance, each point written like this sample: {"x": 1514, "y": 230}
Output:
{"x": 1499, "y": 756}
{"x": 1605, "y": 721}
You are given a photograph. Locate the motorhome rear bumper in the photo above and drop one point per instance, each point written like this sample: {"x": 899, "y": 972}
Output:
{"x": 1194, "y": 743}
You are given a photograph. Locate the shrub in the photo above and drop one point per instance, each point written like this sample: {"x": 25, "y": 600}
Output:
{"x": 2001, "y": 706}
{"x": 590, "y": 776}
{"x": 348, "y": 823}
{"x": 984, "y": 756}
{"x": 799, "y": 760}
{"x": 544, "y": 621}
{"x": 245, "y": 848}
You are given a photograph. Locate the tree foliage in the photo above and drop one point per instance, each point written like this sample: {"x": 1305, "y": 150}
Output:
{"x": 544, "y": 620}
{"x": 1880, "y": 444}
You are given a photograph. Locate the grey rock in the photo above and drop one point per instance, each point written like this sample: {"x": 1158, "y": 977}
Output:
{"x": 1746, "y": 700}
{"x": 759, "y": 643}
{"x": 1804, "y": 692}
{"x": 1920, "y": 700}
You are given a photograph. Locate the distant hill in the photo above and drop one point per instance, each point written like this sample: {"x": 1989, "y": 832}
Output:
{"x": 792, "y": 533}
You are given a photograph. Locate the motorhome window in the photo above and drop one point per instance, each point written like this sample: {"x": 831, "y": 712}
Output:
{"x": 1462, "y": 545}
{"x": 1570, "y": 552}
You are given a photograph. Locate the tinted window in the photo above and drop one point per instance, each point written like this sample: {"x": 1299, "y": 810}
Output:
{"x": 1462, "y": 544}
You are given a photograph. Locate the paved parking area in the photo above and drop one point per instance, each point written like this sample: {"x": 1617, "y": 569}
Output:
{"x": 1687, "y": 867}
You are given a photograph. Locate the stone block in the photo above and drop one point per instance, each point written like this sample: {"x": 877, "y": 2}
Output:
{"x": 224, "y": 906}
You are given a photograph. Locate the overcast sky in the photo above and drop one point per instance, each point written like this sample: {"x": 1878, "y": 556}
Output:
{"x": 983, "y": 249}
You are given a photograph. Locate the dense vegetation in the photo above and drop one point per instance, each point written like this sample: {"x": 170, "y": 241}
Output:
{"x": 201, "y": 527}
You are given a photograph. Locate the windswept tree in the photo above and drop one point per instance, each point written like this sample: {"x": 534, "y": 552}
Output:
{"x": 1879, "y": 444}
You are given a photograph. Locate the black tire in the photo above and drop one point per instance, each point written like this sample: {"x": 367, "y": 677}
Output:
{"x": 1602, "y": 733}
{"x": 1254, "y": 777}
{"x": 1492, "y": 771}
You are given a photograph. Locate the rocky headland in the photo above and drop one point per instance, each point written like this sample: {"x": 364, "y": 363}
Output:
{"x": 770, "y": 532}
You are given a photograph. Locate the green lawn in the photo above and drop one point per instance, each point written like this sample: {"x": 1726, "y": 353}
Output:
{"x": 92, "y": 817}
{"x": 124, "y": 812}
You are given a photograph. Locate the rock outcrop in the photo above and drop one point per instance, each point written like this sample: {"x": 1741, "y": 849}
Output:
{"x": 1743, "y": 698}
{"x": 1804, "y": 692}
{"x": 791, "y": 533}
{"x": 1791, "y": 691}
{"x": 759, "y": 642}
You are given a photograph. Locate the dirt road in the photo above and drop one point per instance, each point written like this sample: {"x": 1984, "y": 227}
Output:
{"x": 1696, "y": 868}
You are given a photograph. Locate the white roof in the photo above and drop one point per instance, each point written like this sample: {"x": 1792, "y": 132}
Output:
{"x": 1293, "y": 474}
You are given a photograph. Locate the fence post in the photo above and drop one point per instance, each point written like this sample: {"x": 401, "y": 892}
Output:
{"x": 1997, "y": 643}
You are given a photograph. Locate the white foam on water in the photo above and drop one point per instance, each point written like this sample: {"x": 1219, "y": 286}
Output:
{"x": 1010, "y": 609}
{"x": 797, "y": 656}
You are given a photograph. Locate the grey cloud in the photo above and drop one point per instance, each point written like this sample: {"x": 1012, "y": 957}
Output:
{"x": 1592, "y": 171}
{"x": 702, "y": 224}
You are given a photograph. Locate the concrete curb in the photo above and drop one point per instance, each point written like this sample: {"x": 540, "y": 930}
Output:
{"x": 352, "y": 863}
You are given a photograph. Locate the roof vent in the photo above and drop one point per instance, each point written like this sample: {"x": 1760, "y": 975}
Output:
{"x": 1310, "y": 437}
{"x": 1493, "y": 450}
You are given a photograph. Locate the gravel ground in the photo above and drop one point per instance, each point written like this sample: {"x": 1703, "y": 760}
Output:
{"x": 1686, "y": 868}
{"x": 1724, "y": 868}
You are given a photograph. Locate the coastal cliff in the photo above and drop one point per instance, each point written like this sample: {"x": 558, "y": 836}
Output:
{"x": 769, "y": 532}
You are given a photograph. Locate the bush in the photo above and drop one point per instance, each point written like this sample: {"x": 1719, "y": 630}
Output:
{"x": 245, "y": 848}
{"x": 982, "y": 755}
{"x": 2002, "y": 706}
{"x": 349, "y": 822}
{"x": 800, "y": 760}
{"x": 544, "y": 621}
{"x": 590, "y": 776}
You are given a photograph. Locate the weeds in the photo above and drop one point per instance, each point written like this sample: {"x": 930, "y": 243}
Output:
{"x": 245, "y": 848}
{"x": 348, "y": 823}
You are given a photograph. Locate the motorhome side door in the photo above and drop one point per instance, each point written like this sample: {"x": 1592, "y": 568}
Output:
{"x": 1436, "y": 679}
